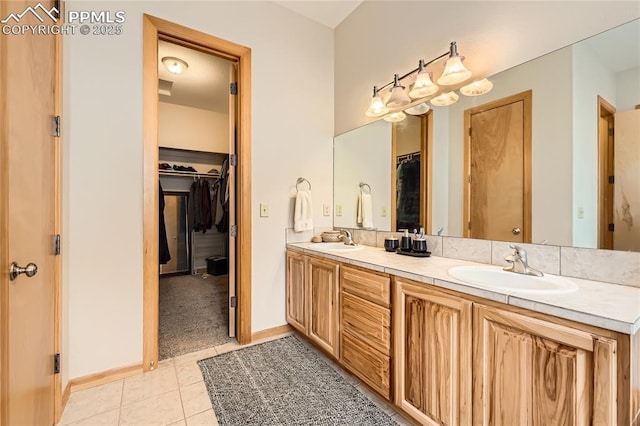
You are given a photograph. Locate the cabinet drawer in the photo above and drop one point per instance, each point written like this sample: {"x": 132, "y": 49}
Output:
{"x": 372, "y": 287}
{"x": 368, "y": 364}
{"x": 367, "y": 322}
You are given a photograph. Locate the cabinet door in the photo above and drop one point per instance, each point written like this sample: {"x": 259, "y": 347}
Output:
{"x": 528, "y": 371}
{"x": 296, "y": 291}
{"x": 322, "y": 300}
{"x": 432, "y": 334}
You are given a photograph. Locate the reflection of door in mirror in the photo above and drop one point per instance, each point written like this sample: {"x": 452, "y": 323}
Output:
{"x": 605, "y": 173}
{"x": 411, "y": 173}
{"x": 498, "y": 170}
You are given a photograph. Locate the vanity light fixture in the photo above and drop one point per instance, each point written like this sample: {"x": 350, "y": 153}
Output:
{"x": 174, "y": 65}
{"x": 445, "y": 99}
{"x": 398, "y": 97}
{"x": 377, "y": 107}
{"x": 477, "y": 88}
{"x": 395, "y": 117}
{"x": 454, "y": 73}
{"x": 417, "y": 109}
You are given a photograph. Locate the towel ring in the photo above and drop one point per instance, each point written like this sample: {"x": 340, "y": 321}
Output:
{"x": 363, "y": 185}
{"x": 302, "y": 180}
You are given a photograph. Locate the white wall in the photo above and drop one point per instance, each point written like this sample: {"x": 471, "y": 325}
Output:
{"x": 363, "y": 155}
{"x": 591, "y": 78}
{"x": 292, "y": 136}
{"x": 192, "y": 128}
{"x": 628, "y": 89}
{"x": 494, "y": 35}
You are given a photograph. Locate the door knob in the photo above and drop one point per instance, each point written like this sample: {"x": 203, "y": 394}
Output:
{"x": 14, "y": 270}
{"x": 515, "y": 231}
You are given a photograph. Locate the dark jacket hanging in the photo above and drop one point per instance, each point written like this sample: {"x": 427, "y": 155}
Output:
{"x": 164, "y": 255}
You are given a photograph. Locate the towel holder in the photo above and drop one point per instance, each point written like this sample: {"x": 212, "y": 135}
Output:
{"x": 363, "y": 185}
{"x": 302, "y": 180}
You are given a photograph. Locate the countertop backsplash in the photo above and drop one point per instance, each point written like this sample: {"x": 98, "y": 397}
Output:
{"x": 610, "y": 266}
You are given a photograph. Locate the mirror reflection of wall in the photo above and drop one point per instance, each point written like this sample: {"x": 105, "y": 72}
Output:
{"x": 566, "y": 179}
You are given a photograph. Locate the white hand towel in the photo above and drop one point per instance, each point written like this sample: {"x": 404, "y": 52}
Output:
{"x": 366, "y": 211}
{"x": 359, "y": 210}
{"x": 303, "y": 212}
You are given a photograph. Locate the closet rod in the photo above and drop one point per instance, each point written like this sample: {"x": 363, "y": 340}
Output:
{"x": 188, "y": 174}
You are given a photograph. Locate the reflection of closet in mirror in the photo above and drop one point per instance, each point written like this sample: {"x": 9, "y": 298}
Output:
{"x": 411, "y": 173}
{"x": 497, "y": 196}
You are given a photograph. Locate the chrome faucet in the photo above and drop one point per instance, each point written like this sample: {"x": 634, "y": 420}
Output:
{"x": 346, "y": 237}
{"x": 518, "y": 262}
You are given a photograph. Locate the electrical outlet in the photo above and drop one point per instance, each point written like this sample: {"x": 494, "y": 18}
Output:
{"x": 326, "y": 209}
{"x": 383, "y": 212}
{"x": 264, "y": 210}
{"x": 338, "y": 209}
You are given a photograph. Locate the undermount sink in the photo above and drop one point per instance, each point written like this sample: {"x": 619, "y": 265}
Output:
{"x": 496, "y": 278}
{"x": 339, "y": 247}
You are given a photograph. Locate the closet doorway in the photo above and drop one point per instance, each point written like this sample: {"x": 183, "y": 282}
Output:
{"x": 196, "y": 152}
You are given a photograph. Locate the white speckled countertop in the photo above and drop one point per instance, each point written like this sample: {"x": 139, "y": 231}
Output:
{"x": 610, "y": 306}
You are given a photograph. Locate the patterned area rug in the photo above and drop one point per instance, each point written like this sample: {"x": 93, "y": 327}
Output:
{"x": 194, "y": 314}
{"x": 284, "y": 382}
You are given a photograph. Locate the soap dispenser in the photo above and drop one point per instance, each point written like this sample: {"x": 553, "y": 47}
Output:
{"x": 405, "y": 242}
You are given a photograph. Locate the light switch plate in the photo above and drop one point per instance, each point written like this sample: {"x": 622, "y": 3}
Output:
{"x": 326, "y": 209}
{"x": 338, "y": 209}
{"x": 264, "y": 210}
{"x": 580, "y": 212}
{"x": 383, "y": 212}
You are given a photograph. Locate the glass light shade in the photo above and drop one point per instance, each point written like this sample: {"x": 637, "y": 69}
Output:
{"x": 454, "y": 72}
{"x": 398, "y": 97}
{"x": 423, "y": 86}
{"x": 377, "y": 107}
{"x": 445, "y": 99}
{"x": 417, "y": 109}
{"x": 174, "y": 65}
{"x": 395, "y": 117}
{"x": 477, "y": 88}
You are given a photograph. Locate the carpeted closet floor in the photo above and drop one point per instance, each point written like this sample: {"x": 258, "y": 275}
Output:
{"x": 194, "y": 313}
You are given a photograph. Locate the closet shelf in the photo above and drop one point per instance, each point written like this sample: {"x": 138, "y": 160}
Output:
{"x": 187, "y": 174}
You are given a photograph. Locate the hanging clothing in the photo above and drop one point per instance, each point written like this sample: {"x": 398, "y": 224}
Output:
{"x": 205, "y": 205}
{"x": 222, "y": 199}
{"x": 164, "y": 255}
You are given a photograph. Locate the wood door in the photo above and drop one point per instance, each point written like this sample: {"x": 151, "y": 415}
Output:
{"x": 498, "y": 173}
{"x": 322, "y": 298}
{"x": 233, "y": 249}
{"x": 606, "y": 113}
{"x": 296, "y": 291}
{"x": 28, "y": 79}
{"x": 626, "y": 191}
{"x": 529, "y": 371}
{"x": 432, "y": 334}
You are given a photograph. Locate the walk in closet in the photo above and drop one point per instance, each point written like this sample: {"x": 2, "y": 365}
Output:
{"x": 195, "y": 118}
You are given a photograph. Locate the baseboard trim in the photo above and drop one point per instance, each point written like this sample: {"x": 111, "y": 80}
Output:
{"x": 108, "y": 376}
{"x": 271, "y": 332}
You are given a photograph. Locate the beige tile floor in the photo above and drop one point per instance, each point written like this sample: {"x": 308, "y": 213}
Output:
{"x": 174, "y": 394}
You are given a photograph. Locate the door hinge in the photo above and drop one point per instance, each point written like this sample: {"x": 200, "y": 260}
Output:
{"x": 611, "y": 179}
{"x": 233, "y": 88}
{"x": 470, "y": 179}
{"x": 233, "y": 302}
{"x": 56, "y": 245}
{"x": 56, "y": 126}
{"x": 233, "y": 159}
{"x": 611, "y": 227}
{"x": 469, "y": 225}
{"x": 469, "y": 131}
{"x": 56, "y": 363}
{"x": 611, "y": 131}
{"x": 233, "y": 230}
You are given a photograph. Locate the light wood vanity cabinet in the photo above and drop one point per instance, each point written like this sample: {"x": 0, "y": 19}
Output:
{"x": 432, "y": 333}
{"x": 365, "y": 327}
{"x": 528, "y": 371}
{"x": 312, "y": 299}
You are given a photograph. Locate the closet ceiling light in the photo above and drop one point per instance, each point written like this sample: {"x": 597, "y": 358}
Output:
{"x": 174, "y": 65}
{"x": 395, "y": 117}
{"x": 417, "y": 109}
{"x": 477, "y": 88}
{"x": 445, "y": 99}
{"x": 454, "y": 71}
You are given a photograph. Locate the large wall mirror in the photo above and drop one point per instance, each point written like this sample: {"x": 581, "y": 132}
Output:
{"x": 573, "y": 179}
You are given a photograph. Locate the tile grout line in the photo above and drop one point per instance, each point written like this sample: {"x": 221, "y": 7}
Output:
{"x": 184, "y": 415}
{"x": 121, "y": 402}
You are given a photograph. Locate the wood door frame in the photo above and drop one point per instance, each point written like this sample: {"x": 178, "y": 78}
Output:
{"x": 153, "y": 30}
{"x": 605, "y": 169}
{"x": 527, "y": 98}
{"x": 426, "y": 171}
{"x": 4, "y": 229}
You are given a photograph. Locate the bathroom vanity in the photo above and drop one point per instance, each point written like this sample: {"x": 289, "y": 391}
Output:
{"x": 444, "y": 351}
